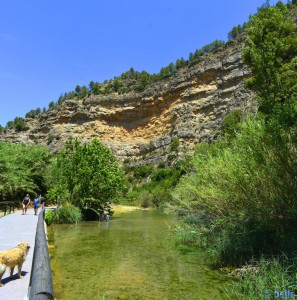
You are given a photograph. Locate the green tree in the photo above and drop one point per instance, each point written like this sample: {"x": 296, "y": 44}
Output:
{"x": 235, "y": 31}
{"x": 180, "y": 63}
{"x": 22, "y": 170}
{"x": 10, "y": 124}
{"x": 271, "y": 54}
{"x": 78, "y": 89}
{"x": 60, "y": 100}
{"x": 84, "y": 91}
{"x": 97, "y": 88}
{"x": 19, "y": 124}
{"x": 83, "y": 172}
{"x": 91, "y": 85}
{"x": 33, "y": 113}
{"x": 131, "y": 73}
{"x": 116, "y": 84}
{"x": 171, "y": 68}
{"x": 143, "y": 81}
{"x": 51, "y": 105}
{"x": 191, "y": 56}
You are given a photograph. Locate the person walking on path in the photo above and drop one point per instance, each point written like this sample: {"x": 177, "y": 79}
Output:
{"x": 25, "y": 203}
{"x": 36, "y": 204}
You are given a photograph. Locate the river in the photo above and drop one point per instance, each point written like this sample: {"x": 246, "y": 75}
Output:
{"x": 133, "y": 256}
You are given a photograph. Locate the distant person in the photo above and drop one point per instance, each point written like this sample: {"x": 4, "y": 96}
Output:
{"x": 102, "y": 216}
{"x": 36, "y": 204}
{"x": 25, "y": 203}
{"x": 107, "y": 217}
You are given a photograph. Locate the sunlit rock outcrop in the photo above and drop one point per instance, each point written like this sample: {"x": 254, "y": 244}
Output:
{"x": 140, "y": 127}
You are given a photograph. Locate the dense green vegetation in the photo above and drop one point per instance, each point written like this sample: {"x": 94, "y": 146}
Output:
{"x": 240, "y": 200}
{"x": 66, "y": 214}
{"x": 79, "y": 178}
{"x": 236, "y": 31}
{"x": 22, "y": 170}
{"x": 271, "y": 55}
{"x": 85, "y": 175}
{"x": 151, "y": 186}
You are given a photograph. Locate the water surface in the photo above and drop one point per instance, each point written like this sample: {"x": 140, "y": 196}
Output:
{"x": 133, "y": 256}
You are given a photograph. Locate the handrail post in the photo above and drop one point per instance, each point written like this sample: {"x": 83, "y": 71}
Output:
{"x": 7, "y": 204}
{"x": 41, "y": 286}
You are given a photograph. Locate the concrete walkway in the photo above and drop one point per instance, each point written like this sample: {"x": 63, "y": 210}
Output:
{"x": 14, "y": 229}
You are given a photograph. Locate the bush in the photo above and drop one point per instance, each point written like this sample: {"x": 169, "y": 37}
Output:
{"x": 66, "y": 214}
{"x": 161, "y": 174}
{"x": 231, "y": 123}
{"x": 174, "y": 145}
{"x": 132, "y": 196}
{"x": 49, "y": 217}
{"x": 145, "y": 199}
{"x": 50, "y": 139}
{"x": 186, "y": 235}
{"x": 143, "y": 171}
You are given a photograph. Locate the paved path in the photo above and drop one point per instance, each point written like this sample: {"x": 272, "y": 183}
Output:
{"x": 14, "y": 229}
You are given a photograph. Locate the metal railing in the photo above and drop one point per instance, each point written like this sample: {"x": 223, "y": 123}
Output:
{"x": 41, "y": 284}
{"x": 4, "y": 205}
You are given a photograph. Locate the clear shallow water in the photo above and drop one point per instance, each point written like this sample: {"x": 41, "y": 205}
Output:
{"x": 133, "y": 256}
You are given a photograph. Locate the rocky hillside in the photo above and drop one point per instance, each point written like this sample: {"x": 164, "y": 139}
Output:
{"x": 188, "y": 107}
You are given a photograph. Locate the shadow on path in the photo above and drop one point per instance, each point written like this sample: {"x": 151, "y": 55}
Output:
{"x": 14, "y": 277}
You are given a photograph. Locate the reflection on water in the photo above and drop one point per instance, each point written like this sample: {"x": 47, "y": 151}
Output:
{"x": 133, "y": 256}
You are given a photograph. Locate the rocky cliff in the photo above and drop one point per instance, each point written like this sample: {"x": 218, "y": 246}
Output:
{"x": 140, "y": 127}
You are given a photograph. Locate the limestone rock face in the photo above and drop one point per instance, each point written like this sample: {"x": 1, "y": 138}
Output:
{"x": 140, "y": 127}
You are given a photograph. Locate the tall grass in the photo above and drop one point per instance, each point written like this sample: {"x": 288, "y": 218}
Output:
{"x": 265, "y": 279}
{"x": 248, "y": 189}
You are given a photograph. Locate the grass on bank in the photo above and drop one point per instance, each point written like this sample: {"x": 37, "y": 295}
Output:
{"x": 265, "y": 279}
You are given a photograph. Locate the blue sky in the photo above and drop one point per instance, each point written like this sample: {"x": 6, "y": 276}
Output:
{"x": 47, "y": 47}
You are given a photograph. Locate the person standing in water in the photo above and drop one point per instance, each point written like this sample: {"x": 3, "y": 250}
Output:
{"x": 36, "y": 204}
{"x": 25, "y": 203}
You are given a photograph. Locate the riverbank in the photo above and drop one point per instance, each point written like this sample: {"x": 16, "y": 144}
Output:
{"x": 121, "y": 209}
